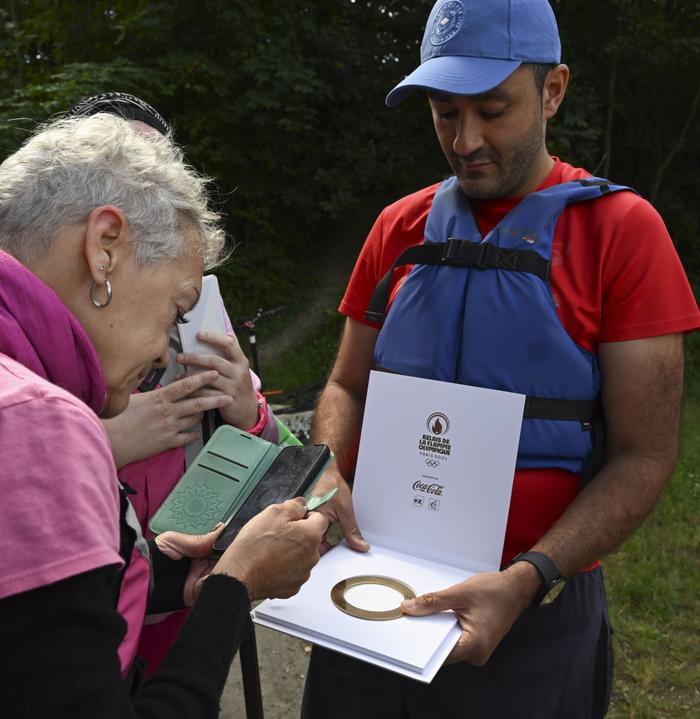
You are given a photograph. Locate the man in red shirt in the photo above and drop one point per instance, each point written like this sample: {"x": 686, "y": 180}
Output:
{"x": 492, "y": 73}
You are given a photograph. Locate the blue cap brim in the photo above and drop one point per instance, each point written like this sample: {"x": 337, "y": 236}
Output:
{"x": 455, "y": 75}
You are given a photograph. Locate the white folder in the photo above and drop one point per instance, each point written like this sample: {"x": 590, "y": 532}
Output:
{"x": 431, "y": 495}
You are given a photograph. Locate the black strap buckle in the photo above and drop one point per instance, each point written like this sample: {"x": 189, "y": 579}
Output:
{"x": 604, "y": 185}
{"x": 480, "y": 263}
{"x": 451, "y": 251}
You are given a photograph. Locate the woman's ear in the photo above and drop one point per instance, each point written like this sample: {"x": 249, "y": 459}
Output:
{"x": 106, "y": 241}
{"x": 554, "y": 90}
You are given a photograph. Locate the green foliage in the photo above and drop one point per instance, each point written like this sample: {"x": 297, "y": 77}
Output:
{"x": 654, "y": 589}
{"x": 309, "y": 364}
{"x": 285, "y": 107}
{"x": 283, "y": 104}
{"x": 632, "y": 111}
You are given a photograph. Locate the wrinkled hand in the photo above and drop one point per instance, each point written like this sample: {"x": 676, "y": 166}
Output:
{"x": 198, "y": 548}
{"x": 486, "y": 606}
{"x": 233, "y": 379}
{"x": 339, "y": 509}
{"x": 158, "y": 420}
{"x": 275, "y": 551}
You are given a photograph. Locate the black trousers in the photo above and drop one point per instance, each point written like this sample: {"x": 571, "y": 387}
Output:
{"x": 555, "y": 663}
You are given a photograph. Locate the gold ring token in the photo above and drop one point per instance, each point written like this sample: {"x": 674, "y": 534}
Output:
{"x": 338, "y": 596}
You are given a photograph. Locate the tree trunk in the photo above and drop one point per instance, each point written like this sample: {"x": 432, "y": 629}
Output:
{"x": 671, "y": 154}
{"x": 612, "y": 83}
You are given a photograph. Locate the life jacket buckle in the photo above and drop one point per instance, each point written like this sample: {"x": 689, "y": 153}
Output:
{"x": 452, "y": 246}
{"x": 480, "y": 263}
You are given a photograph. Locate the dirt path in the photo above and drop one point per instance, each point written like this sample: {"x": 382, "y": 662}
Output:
{"x": 332, "y": 272}
{"x": 283, "y": 659}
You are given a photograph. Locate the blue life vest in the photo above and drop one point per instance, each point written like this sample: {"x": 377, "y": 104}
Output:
{"x": 480, "y": 312}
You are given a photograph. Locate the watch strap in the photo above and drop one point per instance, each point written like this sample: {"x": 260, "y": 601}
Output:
{"x": 547, "y": 569}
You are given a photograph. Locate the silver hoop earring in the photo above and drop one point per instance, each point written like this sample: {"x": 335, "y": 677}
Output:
{"x": 97, "y": 303}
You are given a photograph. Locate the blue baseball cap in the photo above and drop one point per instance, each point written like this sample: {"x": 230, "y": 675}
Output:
{"x": 470, "y": 46}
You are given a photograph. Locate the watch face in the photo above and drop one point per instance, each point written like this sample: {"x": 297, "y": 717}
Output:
{"x": 554, "y": 592}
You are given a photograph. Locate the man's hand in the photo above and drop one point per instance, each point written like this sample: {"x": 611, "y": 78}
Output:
{"x": 337, "y": 423}
{"x": 158, "y": 420}
{"x": 198, "y": 548}
{"x": 233, "y": 380}
{"x": 339, "y": 509}
{"x": 486, "y": 606}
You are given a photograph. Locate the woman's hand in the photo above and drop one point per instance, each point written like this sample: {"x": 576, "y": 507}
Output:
{"x": 198, "y": 548}
{"x": 159, "y": 420}
{"x": 274, "y": 553}
{"x": 234, "y": 379}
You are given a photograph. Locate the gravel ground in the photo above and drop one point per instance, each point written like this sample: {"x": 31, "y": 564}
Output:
{"x": 283, "y": 662}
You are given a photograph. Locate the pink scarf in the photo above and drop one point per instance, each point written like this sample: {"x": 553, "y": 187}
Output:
{"x": 38, "y": 331}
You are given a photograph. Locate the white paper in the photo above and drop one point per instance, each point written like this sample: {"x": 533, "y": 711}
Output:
{"x": 431, "y": 494}
{"x": 426, "y": 676}
{"x": 449, "y": 503}
{"x": 206, "y": 316}
{"x": 406, "y": 644}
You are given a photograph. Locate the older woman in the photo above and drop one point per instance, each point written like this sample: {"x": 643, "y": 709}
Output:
{"x": 105, "y": 235}
{"x": 163, "y": 429}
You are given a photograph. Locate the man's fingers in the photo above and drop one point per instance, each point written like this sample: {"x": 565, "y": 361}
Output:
{"x": 430, "y": 603}
{"x": 471, "y": 648}
{"x": 348, "y": 525}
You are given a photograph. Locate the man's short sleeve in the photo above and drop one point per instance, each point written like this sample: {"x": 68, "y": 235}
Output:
{"x": 645, "y": 289}
{"x": 59, "y": 514}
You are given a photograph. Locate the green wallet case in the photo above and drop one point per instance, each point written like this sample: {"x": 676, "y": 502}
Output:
{"x": 218, "y": 482}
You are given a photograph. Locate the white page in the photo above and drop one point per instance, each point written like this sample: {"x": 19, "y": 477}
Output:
{"x": 464, "y": 483}
{"x": 406, "y": 643}
{"x": 426, "y": 676}
{"x": 206, "y": 316}
{"x": 429, "y": 548}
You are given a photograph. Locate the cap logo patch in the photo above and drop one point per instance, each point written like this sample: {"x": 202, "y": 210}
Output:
{"x": 448, "y": 21}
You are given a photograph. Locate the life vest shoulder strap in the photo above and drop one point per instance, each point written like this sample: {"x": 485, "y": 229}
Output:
{"x": 456, "y": 253}
{"x": 482, "y": 255}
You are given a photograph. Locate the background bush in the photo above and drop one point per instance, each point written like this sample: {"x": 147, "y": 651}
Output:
{"x": 283, "y": 104}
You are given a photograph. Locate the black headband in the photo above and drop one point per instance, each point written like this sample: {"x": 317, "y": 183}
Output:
{"x": 123, "y": 105}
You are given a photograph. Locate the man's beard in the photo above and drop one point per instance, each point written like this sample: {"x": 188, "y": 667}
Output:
{"x": 513, "y": 170}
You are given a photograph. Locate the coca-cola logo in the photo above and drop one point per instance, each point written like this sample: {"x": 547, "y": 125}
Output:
{"x": 438, "y": 423}
{"x": 434, "y": 488}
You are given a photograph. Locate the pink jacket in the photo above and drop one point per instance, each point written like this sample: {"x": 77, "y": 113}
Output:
{"x": 152, "y": 479}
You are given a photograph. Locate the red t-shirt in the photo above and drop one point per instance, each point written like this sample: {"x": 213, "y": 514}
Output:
{"x": 615, "y": 276}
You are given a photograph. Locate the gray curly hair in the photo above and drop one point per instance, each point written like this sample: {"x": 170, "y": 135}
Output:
{"x": 72, "y": 165}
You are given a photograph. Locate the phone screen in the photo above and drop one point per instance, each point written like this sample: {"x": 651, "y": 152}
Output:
{"x": 291, "y": 474}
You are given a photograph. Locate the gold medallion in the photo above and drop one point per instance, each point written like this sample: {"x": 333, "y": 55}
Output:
{"x": 338, "y": 596}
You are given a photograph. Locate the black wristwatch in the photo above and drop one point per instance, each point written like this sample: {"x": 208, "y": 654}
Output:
{"x": 549, "y": 573}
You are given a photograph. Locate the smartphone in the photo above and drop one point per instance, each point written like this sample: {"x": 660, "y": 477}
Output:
{"x": 206, "y": 316}
{"x": 291, "y": 474}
